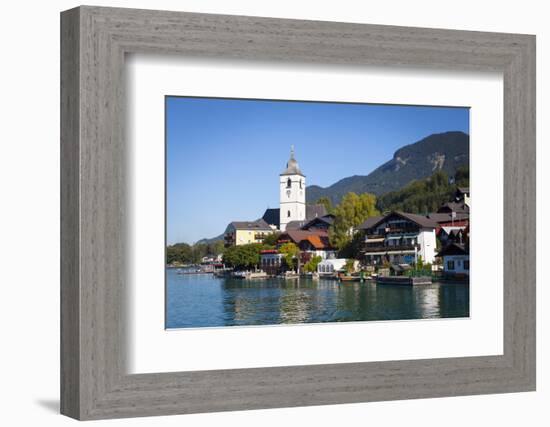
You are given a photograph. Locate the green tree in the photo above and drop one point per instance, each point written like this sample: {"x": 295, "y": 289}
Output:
{"x": 424, "y": 196}
{"x": 180, "y": 253}
{"x": 350, "y": 213}
{"x": 420, "y": 263}
{"x": 291, "y": 253}
{"x": 243, "y": 256}
{"x": 462, "y": 176}
{"x": 271, "y": 239}
{"x": 326, "y": 202}
{"x": 216, "y": 248}
{"x": 353, "y": 248}
{"x": 311, "y": 265}
{"x": 199, "y": 250}
{"x": 350, "y": 266}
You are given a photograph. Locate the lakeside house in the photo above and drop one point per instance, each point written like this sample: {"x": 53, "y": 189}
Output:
{"x": 328, "y": 267}
{"x": 320, "y": 220}
{"x": 245, "y": 232}
{"x": 456, "y": 260}
{"x": 452, "y": 234}
{"x": 449, "y": 219}
{"x": 398, "y": 238}
{"x": 312, "y": 243}
{"x": 272, "y": 262}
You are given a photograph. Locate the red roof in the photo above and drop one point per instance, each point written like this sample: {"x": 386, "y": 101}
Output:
{"x": 316, "y": 242}
{"x": 318, "y": 238}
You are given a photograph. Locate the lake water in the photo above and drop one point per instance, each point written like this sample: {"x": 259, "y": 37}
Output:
{"x": 203, "y": 300}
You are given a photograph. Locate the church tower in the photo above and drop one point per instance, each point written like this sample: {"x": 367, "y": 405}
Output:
{"x": 292, "y": 193}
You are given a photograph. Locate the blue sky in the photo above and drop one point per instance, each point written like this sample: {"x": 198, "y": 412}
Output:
{"x": 224, "y": 156}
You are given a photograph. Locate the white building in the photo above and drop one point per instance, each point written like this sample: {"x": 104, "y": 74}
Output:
{"x": 399, "y": 238}
{"x": 331, "y": 266}
{"x": 292, "y": 214}
{"x": 456, "y": 260}
{"x": 292, "y": 193}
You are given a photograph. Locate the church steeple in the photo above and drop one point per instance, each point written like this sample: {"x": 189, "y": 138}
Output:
{"x": 292, "y": 167}
{"x": 292, "y": 186}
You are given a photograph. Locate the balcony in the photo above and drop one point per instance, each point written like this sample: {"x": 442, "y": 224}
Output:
{"x": 387, "y": 248}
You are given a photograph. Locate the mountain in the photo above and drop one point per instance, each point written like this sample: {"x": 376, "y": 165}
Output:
{"x": 209, "y": 241}
{"x": 442, "y": 151}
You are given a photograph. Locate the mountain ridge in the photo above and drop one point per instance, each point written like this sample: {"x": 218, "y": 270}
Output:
{"x": 440, "y": 151}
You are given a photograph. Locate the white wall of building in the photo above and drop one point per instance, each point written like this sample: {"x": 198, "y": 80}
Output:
{"x": 331, "y": 265}
{"x": 426, "y": 239}
{"x": 458, "y": 264}
{"x": 292, "y": 199}
{"x": 323, "y": 254}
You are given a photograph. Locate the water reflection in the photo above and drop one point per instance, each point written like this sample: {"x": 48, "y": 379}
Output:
{"x": 203, "y": 300}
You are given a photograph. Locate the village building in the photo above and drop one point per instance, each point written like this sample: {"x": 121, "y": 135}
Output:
{"x": 399, "y": 238}
{"x": 463, "y": 195}
{"x": 451, "y": 234}
{"x": 456, "y": 260}
{"x": 330, "y": 266}
{"x": 211, "y": 259}
{"x": 319, "y": 220}
{"x": 272, "y": 262}
{"x": 450, "y": 219}
{"x": 292, "y": 193}
{"x": 459, "y": 207}
{"x": 245, "y": 232}
{"x": 293, "y": 211}
{"x": 310, "y": 243}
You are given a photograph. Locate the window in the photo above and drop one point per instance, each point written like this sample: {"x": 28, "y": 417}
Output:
{"x": 288, "y": 214}
{"x": 450, "y": 265}
{"x": 300, "y": 184}
{"x": 288, "y": 183}
{"x": 466, "y": 264}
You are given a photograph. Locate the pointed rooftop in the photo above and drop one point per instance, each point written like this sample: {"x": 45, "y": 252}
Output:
{"x": 292, "y": 167}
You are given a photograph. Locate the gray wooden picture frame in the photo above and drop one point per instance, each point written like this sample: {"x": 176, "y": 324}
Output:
{"x": 94, "y": 382}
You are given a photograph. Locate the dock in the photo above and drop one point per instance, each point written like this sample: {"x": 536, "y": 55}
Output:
{"x": 404, "y": 280}
{"x": 249, "y": 275}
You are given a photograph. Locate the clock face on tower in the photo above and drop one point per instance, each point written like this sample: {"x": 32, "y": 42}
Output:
{"x": 288, "y": 193}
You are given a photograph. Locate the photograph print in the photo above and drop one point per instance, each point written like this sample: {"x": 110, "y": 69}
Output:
{"x": 286, "y": 212}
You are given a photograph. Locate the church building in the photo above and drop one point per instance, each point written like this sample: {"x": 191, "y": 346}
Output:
{"x": 292, "y": 193}
{"x": 293, "y": 212}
